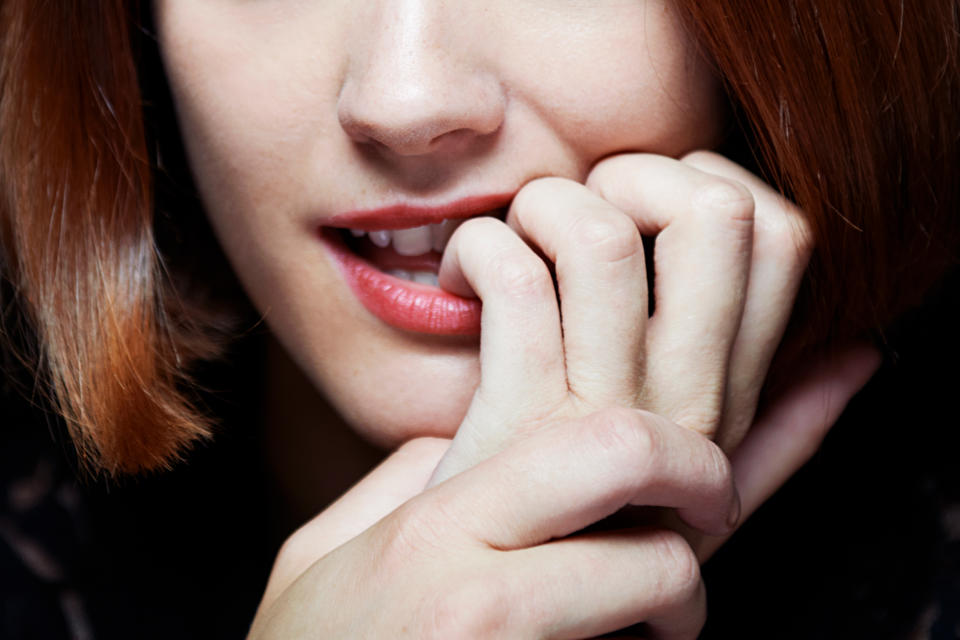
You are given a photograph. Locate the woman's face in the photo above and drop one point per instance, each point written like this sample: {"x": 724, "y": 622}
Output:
{"x": 300, "y": 116}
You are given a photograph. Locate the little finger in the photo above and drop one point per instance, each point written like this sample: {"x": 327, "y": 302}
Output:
{"x": 782, "y": 242}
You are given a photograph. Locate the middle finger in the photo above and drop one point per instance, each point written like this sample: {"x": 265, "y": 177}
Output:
{"x": 602, "y": 284}
{"x": 704, "y": 232}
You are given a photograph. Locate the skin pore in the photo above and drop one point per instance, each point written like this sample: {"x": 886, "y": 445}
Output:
{"x": 293, "y": 112}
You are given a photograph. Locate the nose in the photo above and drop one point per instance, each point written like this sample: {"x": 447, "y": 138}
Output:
{"x": 415, "y": 85}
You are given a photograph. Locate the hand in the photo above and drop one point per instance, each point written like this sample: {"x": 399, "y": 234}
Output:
{"x": 419, "y": 556}
{"x": 729, "y": 256}
{"x": 479, "y": 555}
{"x": 484, "y": 552}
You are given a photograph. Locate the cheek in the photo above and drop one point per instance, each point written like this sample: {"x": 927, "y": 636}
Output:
{"x": 249, "y": 106}
{"x": 260, "y": 129}
{"x": 634, "y": 82}
{"x": 232, "y": 136}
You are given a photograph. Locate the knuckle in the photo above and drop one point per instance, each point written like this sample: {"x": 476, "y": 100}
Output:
{"x": 410, "y": 532}
{"x": 624, "y": 434}
{"x": 718, "y": 196}
{"x": 518, "y": 273}
{"x": 699, "y": 422}
{"x": 681, "y": 568}
{"x": 608, "y": 238}
{"x": 789, "y": 234}
{"x": 704, "y": 415}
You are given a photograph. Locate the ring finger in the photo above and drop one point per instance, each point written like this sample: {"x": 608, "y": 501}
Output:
{"x": 704, "y": 232}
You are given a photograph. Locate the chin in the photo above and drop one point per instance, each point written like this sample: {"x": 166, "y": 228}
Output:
{"x": 404, "y": 391}
{"x": 390, "y": 424}
{"x": 390, "y": 437}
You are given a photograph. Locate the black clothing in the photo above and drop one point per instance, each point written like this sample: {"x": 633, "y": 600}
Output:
{"x": 183, "y": 554}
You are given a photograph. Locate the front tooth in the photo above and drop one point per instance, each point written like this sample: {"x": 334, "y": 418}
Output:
{"x": 380, "y": 238}
{"x": 412, "y": 242}
{"x": 403, "y": 274}
{"x": 426, "y": 277}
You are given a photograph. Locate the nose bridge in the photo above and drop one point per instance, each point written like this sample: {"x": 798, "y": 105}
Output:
{"x": 407, "y": 58}
{"x": 413, "y": 80}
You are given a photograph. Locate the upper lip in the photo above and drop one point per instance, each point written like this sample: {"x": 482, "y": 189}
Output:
{"x": 408, "y": 215}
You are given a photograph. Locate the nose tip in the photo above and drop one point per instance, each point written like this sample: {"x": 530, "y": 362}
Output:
{"x": 420, "y": 115}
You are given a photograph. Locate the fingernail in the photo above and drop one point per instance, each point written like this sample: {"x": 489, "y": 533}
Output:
{"x": 734, "y": 518}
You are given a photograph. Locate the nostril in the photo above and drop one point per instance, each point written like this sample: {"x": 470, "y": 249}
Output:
{"x": 418, "y": 115}
{"x": 407, "y": 139}
{"x": 454, "y": 141}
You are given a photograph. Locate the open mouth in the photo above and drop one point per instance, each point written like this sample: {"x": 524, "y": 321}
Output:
{"x": 393, "y": 271}
{"x": 411, "y": 254}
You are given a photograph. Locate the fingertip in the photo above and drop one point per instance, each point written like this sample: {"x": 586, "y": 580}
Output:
{"x": 450, "y": 275}
{"x": 719, "y": 524}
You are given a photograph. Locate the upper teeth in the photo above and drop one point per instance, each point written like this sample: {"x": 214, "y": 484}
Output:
{"x": 416, "y": 241}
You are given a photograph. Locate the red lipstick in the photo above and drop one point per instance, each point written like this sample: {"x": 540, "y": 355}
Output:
{"x": 406, "y": 216}
{"x": 401, "y": 303}
{"x": 398, "y": 302}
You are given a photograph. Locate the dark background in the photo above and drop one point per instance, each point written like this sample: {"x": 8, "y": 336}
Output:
{"x": 862, "y": 543}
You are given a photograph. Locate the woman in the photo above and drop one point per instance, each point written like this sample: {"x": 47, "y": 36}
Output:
{"x": 322, "y": 136}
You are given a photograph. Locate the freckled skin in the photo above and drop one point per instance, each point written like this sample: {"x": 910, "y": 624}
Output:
{"x": 295, "y": 111}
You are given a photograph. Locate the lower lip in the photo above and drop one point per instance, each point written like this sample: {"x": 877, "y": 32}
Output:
{"x": 401, "y": 303}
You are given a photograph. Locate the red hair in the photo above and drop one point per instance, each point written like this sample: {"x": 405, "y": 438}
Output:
{"x": 78, "y": 242}
{"x": 850, "y": 109}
